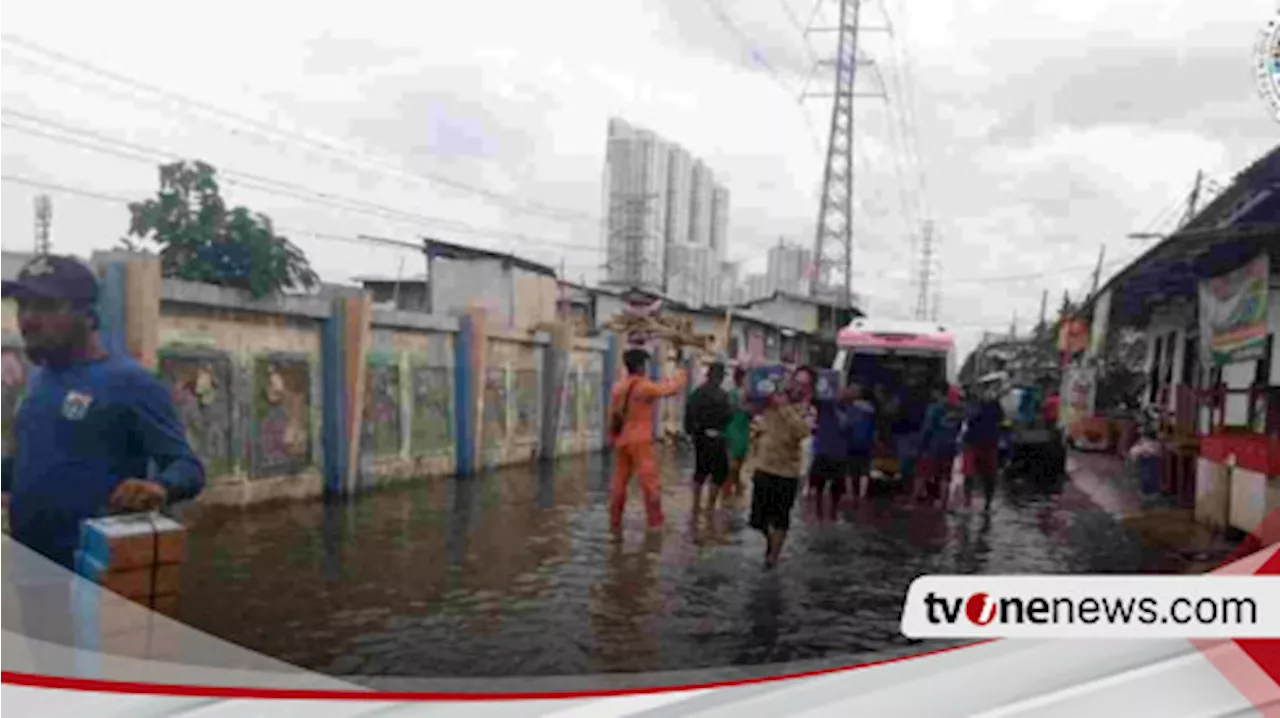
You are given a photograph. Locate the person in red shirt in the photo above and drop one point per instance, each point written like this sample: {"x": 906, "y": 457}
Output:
{"x": 633, "y": 401}
{"x": 1050, "y": 409}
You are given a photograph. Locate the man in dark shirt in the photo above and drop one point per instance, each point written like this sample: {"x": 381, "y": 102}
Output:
{"x": 91, "y": 423}
{"x": 706, "y": 417}
{"x": 983, "y": 423}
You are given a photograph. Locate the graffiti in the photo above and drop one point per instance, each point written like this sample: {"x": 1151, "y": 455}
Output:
{"x": 432, "y": 411}
{"x": 495, "y": 406}
{"x": 201, "y": 390}
{"x": 15, "y": 387}
{"x": 526, "y": 403}
{"x": 282, "y": 416}
{"x": 592, "y": 409}
{"x": 380, "y": 428}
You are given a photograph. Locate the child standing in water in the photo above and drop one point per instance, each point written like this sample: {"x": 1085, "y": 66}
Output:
{"x": 738, "y": 433}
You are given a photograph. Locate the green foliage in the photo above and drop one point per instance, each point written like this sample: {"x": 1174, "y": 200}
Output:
{"x": 201, "y": 240}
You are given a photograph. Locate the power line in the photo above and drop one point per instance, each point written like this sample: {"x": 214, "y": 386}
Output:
{"x": 142, "y": 153}
{"x": 512, "y": 203}
{"x": 116, "y": 199}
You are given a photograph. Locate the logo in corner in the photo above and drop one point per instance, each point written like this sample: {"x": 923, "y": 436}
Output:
{"x": 76, "y": 406}
{"x": 1266, "y": 57}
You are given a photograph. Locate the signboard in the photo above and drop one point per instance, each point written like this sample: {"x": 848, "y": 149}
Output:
{"x": 1233, "y": 314}
{"x": 1079, "y": 387}
{"x": 1073, "y": 336}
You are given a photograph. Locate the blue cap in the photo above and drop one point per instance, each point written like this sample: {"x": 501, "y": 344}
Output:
{"x": 54, "y": 277}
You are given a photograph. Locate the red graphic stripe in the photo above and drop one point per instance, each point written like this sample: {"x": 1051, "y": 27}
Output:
{"x": 320, "y": 694}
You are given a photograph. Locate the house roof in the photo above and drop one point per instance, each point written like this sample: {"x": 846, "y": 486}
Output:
{"x": 1232, "y": 229}
{"x": 435, "y": 248}
{"x": 802, "y": 298}
{"x": 376, "y": 279}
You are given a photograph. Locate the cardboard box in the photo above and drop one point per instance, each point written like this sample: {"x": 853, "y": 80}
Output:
{"x": 138, "y": 584}
{"x": 827, "y": 385}
{"x": 133, "y": 541}
{"x": 763, "y": 381}
{"x": 166, "y": 605}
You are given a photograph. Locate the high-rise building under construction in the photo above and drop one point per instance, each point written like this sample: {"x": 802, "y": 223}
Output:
{"x": 667, "y": 217}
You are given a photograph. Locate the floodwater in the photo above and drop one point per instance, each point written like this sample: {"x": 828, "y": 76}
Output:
{"x": 514, "y": 573}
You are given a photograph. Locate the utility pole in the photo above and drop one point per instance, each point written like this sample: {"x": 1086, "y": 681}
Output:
{"x": 833, "y": 241}
{"x": 926, "y": 272}
{"x": 44, "y": 224}
{"x": 1044, "y": 307}
{"x": 1097, "y": 271}
{"x": 1194, "y": 199}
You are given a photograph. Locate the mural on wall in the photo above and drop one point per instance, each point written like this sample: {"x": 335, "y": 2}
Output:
{"x": 592, "y": 410}
{"x": 494, "y": 425}
{"x": 282, "y": 415}
{"x": 432, "y": 411}
{"x": 380, "y": 427}
{"x": 15, "y": 387}
{"x": 526, "y": 403}
{"x": 201, "y": 388}
{"x": 569, "y": 402}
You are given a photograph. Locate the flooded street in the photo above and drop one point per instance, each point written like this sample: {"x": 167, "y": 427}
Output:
{"x": 515, "y": 573}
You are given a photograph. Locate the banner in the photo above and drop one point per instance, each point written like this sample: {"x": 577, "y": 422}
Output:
{"x": 1079, "y": 386}
{"x": 1233, "y": 314}
{"x": 1073, "y": 336}
{"x": 1101, "y": 316}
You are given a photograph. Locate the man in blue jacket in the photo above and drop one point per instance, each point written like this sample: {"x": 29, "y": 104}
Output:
{"x": 92, "y": 424}
{"x": 861, "y": 433}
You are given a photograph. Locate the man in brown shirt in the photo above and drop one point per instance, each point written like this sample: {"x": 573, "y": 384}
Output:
{"x": 781, "y": 431}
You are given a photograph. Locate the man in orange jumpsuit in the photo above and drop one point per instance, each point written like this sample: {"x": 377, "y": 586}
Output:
{"x": 633, "y": 401}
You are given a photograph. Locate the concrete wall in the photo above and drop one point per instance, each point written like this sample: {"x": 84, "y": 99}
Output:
{"x": 583, "y": 399}
{"x": 408, "y": 414}
{"x": 245, "y": 378}
{"x": 294, "y": 396}
{"x": 456, "y": 285}
{"x": 790, "y": 313}
{"x": 511, "y": 400}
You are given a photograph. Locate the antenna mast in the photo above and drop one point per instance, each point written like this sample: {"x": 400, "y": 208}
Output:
{"x": 44, "y": 224}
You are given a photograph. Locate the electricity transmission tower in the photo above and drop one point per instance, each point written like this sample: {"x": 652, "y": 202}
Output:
{"x": 925, "y": 279}
{"x": 44, "y": 224}
{"x": 833, "y": 241}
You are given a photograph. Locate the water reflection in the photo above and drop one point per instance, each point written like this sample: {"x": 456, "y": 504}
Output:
{"x": 546, "y": 476}
{"x": 625, "y": 603}
{"x": 460, "y": 519}
{"x": 332, "y": 521}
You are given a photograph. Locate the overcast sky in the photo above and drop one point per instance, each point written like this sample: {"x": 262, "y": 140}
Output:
{"x": 1045, "y": 129}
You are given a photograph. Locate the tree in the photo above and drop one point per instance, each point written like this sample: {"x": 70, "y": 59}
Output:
{"x": 201, "y": 240}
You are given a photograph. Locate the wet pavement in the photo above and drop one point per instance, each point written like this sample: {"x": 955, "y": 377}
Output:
{"x": 515, "y": 574}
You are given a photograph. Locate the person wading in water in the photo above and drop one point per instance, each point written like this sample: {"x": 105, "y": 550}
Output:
{"x": 938, "y": 445}
{"x": 706, "y": 417}
{"x": 738, "y": 433}
{"x": 830, "y": 455}
{"x": 782, "y": 429}
{"x": 982, "y": 443}
{"x": 861, "y": 435}
{"x": 631, "y": 427}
